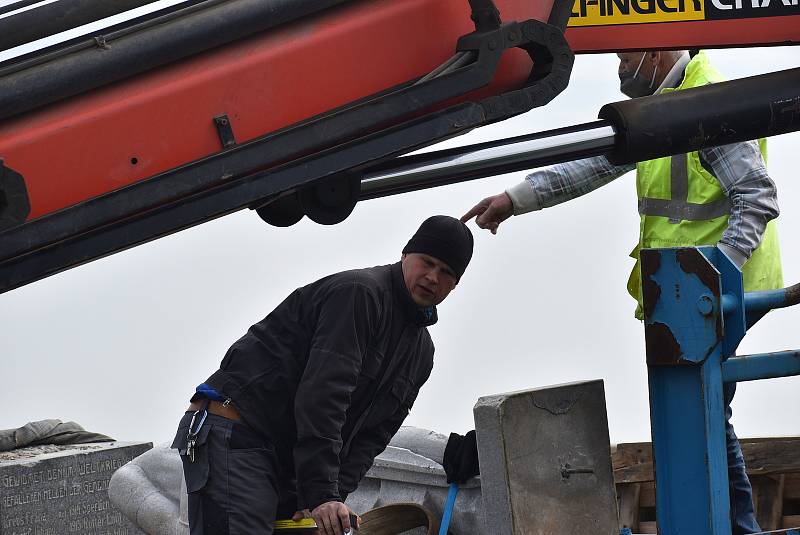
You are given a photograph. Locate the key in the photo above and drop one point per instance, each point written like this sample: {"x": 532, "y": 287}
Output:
{"x": 190, "y": 449}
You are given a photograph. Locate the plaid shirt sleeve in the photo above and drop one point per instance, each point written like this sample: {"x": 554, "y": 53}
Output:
{"x": 739, "y": 168}
{"x": 742, "y": 174}
{"x": 562, "y": 182}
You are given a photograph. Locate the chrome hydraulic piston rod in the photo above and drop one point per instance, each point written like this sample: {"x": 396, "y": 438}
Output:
{"x": 630, "y": 131}
{"x": 450, "y": 166}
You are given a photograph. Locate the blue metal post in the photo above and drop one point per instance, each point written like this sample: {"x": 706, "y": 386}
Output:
{"x": 696, "y": 314}
{"x": 764, "y": 366}
{"x": 683, "y": 331}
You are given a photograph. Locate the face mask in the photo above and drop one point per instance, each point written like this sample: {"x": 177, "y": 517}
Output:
{"x": 634, "y": 86}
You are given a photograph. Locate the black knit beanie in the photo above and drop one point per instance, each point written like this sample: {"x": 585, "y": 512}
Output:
{"x": 445, "y": 238}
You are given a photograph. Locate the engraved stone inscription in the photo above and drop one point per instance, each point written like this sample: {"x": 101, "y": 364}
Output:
{"x": 53, "y": 490}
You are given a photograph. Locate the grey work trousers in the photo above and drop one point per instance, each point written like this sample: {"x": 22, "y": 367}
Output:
{"x": 234, "y": 482}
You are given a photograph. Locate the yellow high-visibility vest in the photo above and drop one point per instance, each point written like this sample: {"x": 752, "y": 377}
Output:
{"x": 681, "y": 204}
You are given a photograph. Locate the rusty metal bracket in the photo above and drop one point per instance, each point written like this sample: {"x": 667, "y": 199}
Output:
{"x": 682, "y": 306}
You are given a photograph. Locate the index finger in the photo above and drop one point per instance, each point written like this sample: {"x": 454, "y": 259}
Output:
{"x": 477, "y": 209}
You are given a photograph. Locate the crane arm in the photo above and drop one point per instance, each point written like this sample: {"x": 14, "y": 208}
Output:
{"x": 123, "y": 138}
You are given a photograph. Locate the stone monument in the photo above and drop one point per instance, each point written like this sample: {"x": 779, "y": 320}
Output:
{"x": 58, "y": 489}
{"x": 151, "y": 493}
{"x": 545, "y": 470}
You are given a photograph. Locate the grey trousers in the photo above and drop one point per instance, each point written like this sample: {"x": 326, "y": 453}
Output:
{"x": 234, "y": 481}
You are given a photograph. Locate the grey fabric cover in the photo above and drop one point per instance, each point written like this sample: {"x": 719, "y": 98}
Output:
{"x": 48, "y": 432}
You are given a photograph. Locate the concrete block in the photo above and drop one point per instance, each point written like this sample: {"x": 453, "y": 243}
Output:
{"x": 546, "y": 462}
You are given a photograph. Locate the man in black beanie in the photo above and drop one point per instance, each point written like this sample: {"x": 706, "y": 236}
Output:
{"x": 307, "y": 398}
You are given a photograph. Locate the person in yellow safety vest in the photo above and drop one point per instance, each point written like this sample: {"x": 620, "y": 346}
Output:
{"x": 719, "y": 196}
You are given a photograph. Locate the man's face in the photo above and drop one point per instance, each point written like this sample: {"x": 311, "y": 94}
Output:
{"x": 428, "y": 279}
{"x": 629, "y": 62}
{"x": 637, "y": 72}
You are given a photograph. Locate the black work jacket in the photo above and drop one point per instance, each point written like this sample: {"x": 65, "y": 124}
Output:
{"x": 329, "y": 376}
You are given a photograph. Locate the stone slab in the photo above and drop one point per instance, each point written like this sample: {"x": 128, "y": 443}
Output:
{"x": 55, "y": 490}
{"x": 399, "y": 475}
{"x": 545, "y": 461}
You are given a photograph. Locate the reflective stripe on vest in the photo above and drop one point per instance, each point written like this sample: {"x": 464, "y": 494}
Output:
{"x": 678, "y": 208}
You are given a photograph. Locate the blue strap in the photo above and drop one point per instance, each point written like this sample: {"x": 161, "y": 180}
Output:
{"x": 208, "y": 392}
{"x": 448, "y": 508}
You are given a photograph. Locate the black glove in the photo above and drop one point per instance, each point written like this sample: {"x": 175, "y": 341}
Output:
{"x": 461, "y": 457}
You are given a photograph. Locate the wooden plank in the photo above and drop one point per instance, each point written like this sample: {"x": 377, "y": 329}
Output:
{"x": 647, "y": 495}
{"x": 773, "y": 465}
{"x": 648, "y": 527}
{"x": 628, "y": 496}
{"x": 636, "y": 473}
{"x": 633, "y": 461}
{"x": 772, "y": 457}
{"x": 791, "y": 521}
{"x": 768, "y": 500}
{"x": 791, "y": 489}
{"x": 631, "y": 454}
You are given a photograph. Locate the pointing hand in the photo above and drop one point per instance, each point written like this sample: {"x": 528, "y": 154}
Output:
{"x": 491, "y": 211}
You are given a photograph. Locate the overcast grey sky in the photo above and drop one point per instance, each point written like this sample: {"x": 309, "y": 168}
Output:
{"x": 118, "y": 345}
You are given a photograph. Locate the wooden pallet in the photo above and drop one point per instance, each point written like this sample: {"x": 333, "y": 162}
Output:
{"x": 773, "y": 465}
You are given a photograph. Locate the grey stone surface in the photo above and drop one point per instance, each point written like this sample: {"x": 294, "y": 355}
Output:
{"x": 546, "y": 462}
{"x": 424, "y": 442}
{"x": 151, "y": 493}
{"x": 402, "y": 476}
{"x": 63, "y": 489}
{"x": 525, "y": 440}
